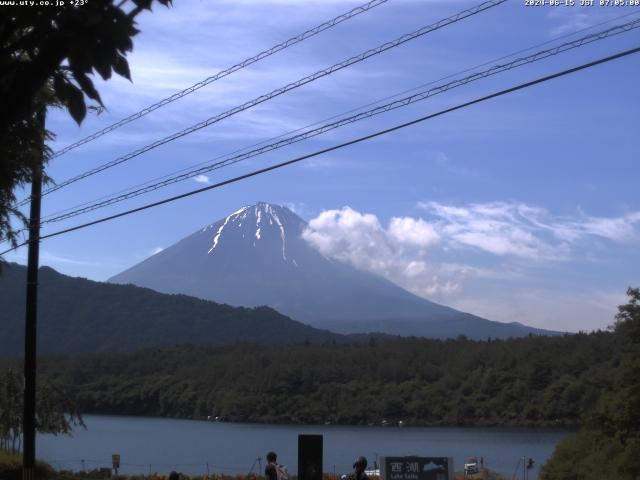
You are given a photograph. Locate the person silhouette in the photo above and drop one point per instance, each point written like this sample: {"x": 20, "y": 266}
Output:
{"x": 273, "y": 470}
{"x": 359, "y": 467}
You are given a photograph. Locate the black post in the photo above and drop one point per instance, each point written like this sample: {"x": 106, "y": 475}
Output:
{"x": 310, "y": 457}
{"x": 29, "y": 418}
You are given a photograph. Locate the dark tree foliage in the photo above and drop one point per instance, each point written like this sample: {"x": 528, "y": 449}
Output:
{"x": 55, "y": 49}
{"x": 418, "y": 381}
{"x": 77, "y": 315}
{"x": 56, "y": 412}
{"x": 608, "y": 445}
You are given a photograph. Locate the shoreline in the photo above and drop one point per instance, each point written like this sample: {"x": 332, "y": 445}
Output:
{"x": 564, "y": 427}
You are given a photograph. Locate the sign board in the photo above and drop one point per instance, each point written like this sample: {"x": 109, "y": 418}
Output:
{"x": 416, "y": 468}
{"x": 115, "y": 460}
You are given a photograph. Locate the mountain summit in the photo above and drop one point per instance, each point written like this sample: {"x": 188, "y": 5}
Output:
{"x": 256, "y": 256}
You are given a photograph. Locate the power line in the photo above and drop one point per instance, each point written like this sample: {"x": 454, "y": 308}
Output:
{"x": 245, "y": 63}
{"x": 339, "y": 146}
{"x": 263, "y": 98}
{"x": 319, "y": 122}
{"x": 416, "y": 97}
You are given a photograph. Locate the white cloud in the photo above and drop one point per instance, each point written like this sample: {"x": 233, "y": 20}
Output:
{"x": 570, "y": 20}
{"x": 497, "y": 228}
{"x": 524, "y": 231}
{"x": 619, "y": 229}
{"x": 62, "y": 261}
{"x": 397, "y": 253}
{"x": 411, "y": 231}
{"x": 299, "y": 208}
{"x": 73, "y": 265}
{"x": 202, "y": 179}
{"x": 417, "y": 253}
{"x": 351, "y": 236}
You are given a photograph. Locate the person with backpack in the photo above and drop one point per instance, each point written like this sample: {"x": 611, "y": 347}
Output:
{"x": 273, "y": 470}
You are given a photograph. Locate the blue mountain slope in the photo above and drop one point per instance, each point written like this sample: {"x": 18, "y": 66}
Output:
{"x": 256, "y": 256}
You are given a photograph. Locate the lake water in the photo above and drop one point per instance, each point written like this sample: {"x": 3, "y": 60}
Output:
{"x": 161, "y": 445}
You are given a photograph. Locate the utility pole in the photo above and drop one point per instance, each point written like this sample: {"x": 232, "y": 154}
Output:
{"x": 31, "y": 320}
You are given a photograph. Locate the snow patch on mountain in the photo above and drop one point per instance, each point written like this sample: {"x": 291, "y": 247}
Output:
{"x": 275, "y": 217}
{"x": 263, "y": 213}
{"x": 258, "y": 213}
{"x": 216, "y": 239}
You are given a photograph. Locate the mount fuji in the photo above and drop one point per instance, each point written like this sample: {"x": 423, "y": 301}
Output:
{"x": 257, "y": 256}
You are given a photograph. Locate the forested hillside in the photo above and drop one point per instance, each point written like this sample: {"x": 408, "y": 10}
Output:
{"x": 78, "y": 315}
{"x": 527, "y": 381}
{"x": 608, "y": 444}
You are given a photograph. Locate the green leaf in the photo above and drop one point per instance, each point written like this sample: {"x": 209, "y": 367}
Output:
{"x": 76, "y": 105}
{"x": 146, "y": 4}
{"x": 60, "y": 87}
{"x": 121, "y": 67}
{"x": 71, "y": 96}
{"x": 87, "y": 87}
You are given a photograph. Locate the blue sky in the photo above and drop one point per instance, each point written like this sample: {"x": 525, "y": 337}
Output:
{"x": 524, "y": 208}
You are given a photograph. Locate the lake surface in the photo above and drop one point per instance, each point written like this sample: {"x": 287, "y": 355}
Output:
{"x": 161, "y": 445}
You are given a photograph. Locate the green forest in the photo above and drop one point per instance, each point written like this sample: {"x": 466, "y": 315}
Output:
{"x": 534, "y": 381}
{"x": 608, "y": 444}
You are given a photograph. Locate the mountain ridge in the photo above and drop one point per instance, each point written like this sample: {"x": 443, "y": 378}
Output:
{"x": 76, "y": 315}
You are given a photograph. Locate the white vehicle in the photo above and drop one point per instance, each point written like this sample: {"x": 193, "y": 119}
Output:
{"x": 471, "y": 466}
